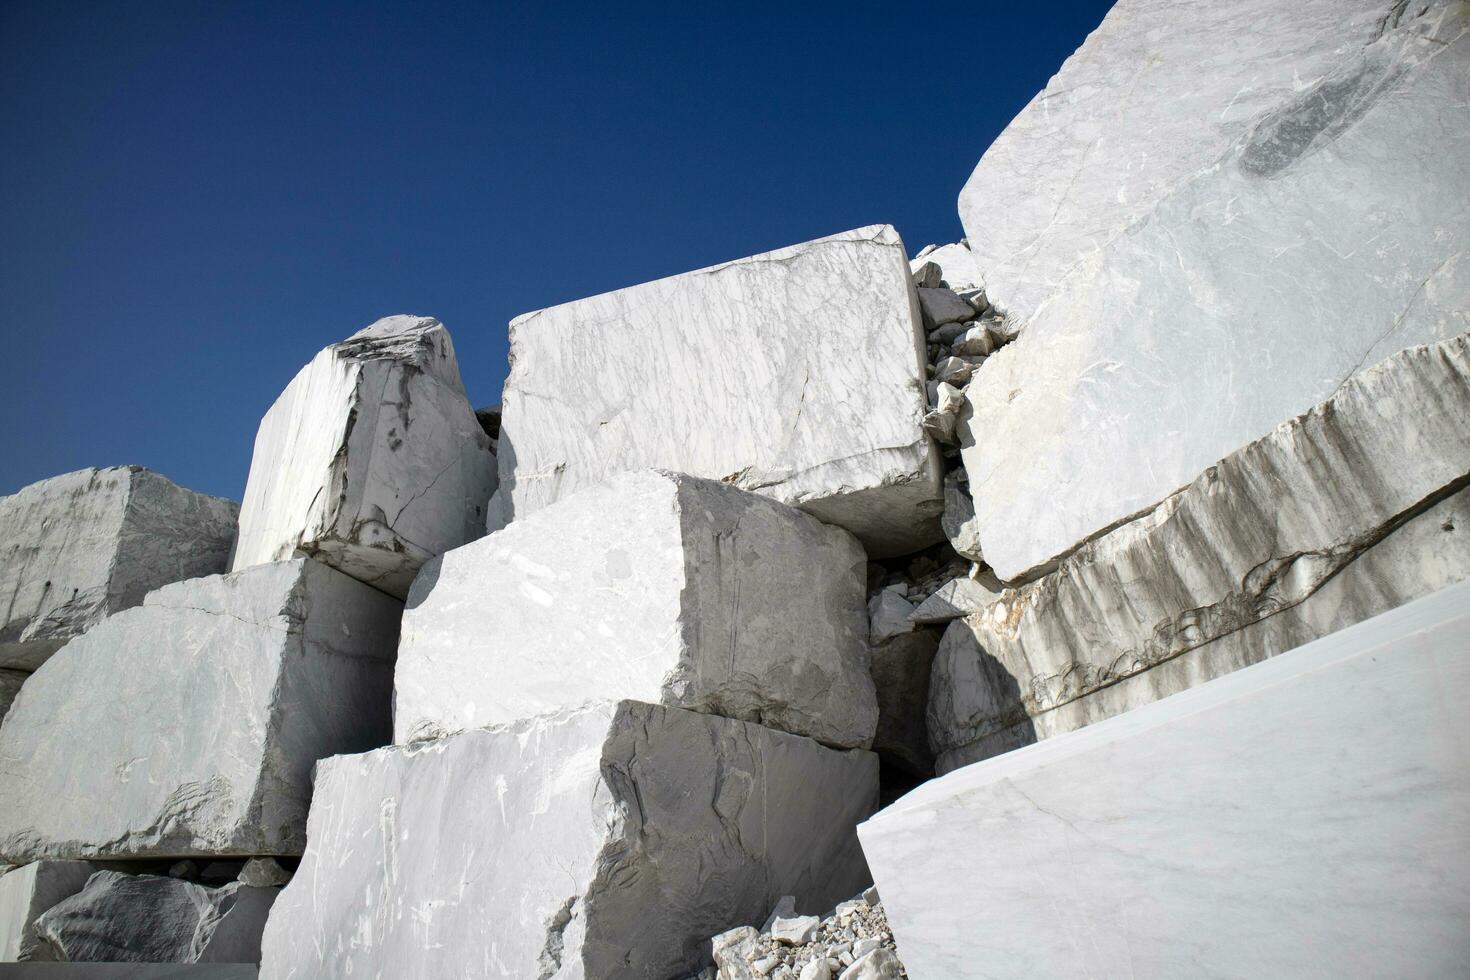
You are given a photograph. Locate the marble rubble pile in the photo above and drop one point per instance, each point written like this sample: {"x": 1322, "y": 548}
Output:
{"x": 852, "y": 943}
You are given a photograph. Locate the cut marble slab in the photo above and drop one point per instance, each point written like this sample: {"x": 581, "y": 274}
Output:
{"x": 1257, "y": 533}
{"x": 127, "y": 918}
{"x": 1333, "y": 233}
{"x": 189, "y": 725}
{"x": 798, "y": 374}
{"x": 25, "y": 893}
{"x": 607, "y": 841}
{"x": 1302, "y": 817}
{"x": 78, "y": 547}
{"x": 371, "y": 460}
{"x": 656, "y": 586}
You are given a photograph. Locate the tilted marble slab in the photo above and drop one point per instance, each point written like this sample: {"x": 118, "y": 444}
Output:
{"x": 798, "y": 374}
{"x": 1333, "y": 233}
{"x": 25, "y": 893}
{"x": 1306, "y": 816}
{"x": 1258, "y": 533}
{"x": 78, "y": 547}
{"x": 608, "y": 841}
{"x": 189, "y": 725}
{"x": 371, "y": 460}
{"x": 656, "y": 586}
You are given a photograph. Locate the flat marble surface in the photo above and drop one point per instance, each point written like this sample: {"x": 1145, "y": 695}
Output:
{"x": 1307, "y": 817}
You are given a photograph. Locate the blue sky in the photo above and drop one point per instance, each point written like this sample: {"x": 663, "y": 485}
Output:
{"x": 196, "y": 197}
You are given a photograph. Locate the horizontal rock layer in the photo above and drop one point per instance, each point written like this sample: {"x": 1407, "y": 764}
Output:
{"x": 1258, "y": 533}
{"x": 1334, "y": 232}
{"x": 797, "y": 374}
{"x": 78, "y": 547}
{"x": 371, "y": 460}
{"x": 655, "y": 586}
{"x": 610, "y": 841}
{"x": 1301, "y": 817}
{"x": 189, "y": 725}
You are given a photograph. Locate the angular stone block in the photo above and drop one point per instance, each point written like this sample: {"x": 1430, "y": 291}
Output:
{"x": 189, "y": 725}
{"x": 1257, "y": 534}
{"x": 608, "y": 841}
{"x": 798, "y": 374}
{"x": 1334, "y": 233}
{"x": 654, "y": 586}
{"x": 1302, "y": 817}
{"x": 124, "y": 918}
{"x": 78, "y": 547}
{"x": 25, "y": 893}
{"x": 371, "y": 460}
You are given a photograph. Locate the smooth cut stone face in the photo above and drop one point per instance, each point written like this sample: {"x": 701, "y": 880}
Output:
{"x": 371, "y": 461}
{"x": 1331, "y": 237}
{"x": 25, "y": 893}
{"x": 609, "y": 841}
{"x": 189, "y": 725}
{"x": 797, "y": 374}
{"x": 78, "y": 547}
{"x": 655, "y": 586}
{"x": 1301, "y": 817}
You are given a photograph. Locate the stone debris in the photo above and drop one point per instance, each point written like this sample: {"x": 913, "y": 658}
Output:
{"x": 743, "y": 372}
{"x": 126, "y": 918}
{"x": 79, "y": 547}
{"x": 854, "y": 942}
{"x": 940, "y": 421}
{"x": 958, "y": 522}
{"x": 956, "y": 264}
{"x": 264, "y": 872}
{"x": 941, "y": 306}
{"x": 211, "y": 701}
{"x": 888, "y": 614}
{"x": 957, "y": 598}
{"x": 699, "y": 596}
{"x": 614, "y": 877}
{"x": 371, "y": 460}
{"x": 26, "y": 892}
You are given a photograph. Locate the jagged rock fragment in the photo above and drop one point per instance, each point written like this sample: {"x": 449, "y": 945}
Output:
{"x": 656, "y": 586}
{"x": 957, "y": 598}
{"x": 189, "y": 725}
{"x": 743, "y": 372}
{"x": 958, "y": 522}
{"x": 124, "y": 918}
{"x": 78, "y": 547}
{"x": 25, "y": 893}
{"x": 941, "y": 306}
{"x": 619, "y": 874}
{"x": 264, "y": 872}
{"x": 1358, "y": 500}
{"x": 371, "y": 460}
{"x": 888, "y": 614}
{"x": 1335, "y": 771}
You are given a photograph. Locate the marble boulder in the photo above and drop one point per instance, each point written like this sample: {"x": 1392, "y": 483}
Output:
{"x": 1350, "y": 509}
{"x": 608, "y": 841}
{"x": 25, "y": 893}
{"x": 1301, "y": 817}
{"x": 656, "y": 586}
{"x": 1327, "y": 228}
{"x": 189, "y": 725}
{"x": 797, "y": 374}
{"x": 78, "y": 547}
{"x": 371, "y": 460}
{"x": 126, "y": 918}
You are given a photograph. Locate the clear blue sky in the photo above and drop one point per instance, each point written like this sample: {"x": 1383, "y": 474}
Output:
{"x": 196, "y": 197}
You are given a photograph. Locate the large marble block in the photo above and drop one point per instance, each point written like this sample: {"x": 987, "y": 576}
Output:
{"x": 25, "y": 893}
{"x": 371, "y": 460}
{"x": 189, "y": 725}
{"x": 655, "y": 586}
{"x": 1358, "y": 497}
{"x": 607, "y": 841}
{"x": 78, "y": 547}
{"x": 798, "y": 374}
{"x": 1306, "y": 816}
{"x": 1334, "y": 231}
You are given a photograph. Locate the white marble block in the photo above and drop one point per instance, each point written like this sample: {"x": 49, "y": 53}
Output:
{"x": 656, "y": 586}
{"x": 1306, "y": 816}
{"x": 25, "y": 893}
{"x": 189, "y": 725}
{"x": 607, "y": 841}
{"x": 371, "y": 460}
{"x": 797, "y": 374}
{"x": 1300, "y": 210}
{"x": 78, "y": 547}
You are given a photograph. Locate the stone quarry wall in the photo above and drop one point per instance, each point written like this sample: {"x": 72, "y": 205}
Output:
{"x": 602, "y": 686}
